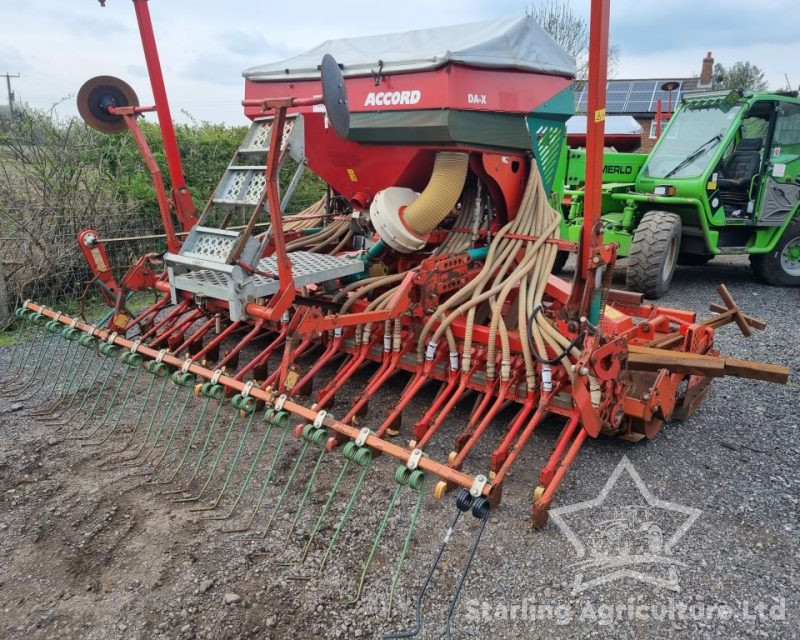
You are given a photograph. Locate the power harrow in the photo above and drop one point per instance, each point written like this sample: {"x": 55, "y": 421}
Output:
{"x": 428, "y": 261}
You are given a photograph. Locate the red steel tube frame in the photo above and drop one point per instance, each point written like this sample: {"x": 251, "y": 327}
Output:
{"x": 400, "y": 453}
{"x": 182, "y": 199}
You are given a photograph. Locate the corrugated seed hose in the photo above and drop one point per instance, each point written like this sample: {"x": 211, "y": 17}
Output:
{"x": 441, "y": 195}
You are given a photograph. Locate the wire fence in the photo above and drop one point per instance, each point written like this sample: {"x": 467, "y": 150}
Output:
{"x": 40, "y": 258}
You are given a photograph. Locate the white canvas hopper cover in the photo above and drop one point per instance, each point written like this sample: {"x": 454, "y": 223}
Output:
{"x": 512, "y": 43}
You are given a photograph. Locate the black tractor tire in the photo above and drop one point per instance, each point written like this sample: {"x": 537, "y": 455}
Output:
{"x": 654, "y": 253}
{"x": 777, "y": 267}
{"x": 694, "y": 259}
{"x": 561, "y": 260}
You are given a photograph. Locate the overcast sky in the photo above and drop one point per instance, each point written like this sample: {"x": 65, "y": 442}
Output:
{"x": 204, "y": 44}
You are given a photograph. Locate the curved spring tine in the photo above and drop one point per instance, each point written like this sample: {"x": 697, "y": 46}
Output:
{"x": 215, "y": 465}
{"x": 264, "y": 486}
{"x": 24, "y": 325}
{"x": 62, "y": 361}
{"x": 203, "y": 452}
{"x": 126, "y": 462}
{"x": 46, "y": 351}
{"x": 231, "y": 467}
{"x": 60, "y": 420}
{"x": 71, "y": 378}
{"x": 109, "y": 406}
{"x": 288, "y": 484}
{"x": 135, "y": 428}
{"x": 406, "y": 543}
{"x": 301, "y": 505}
{"x": 178, "y": 422}
{"x": 480, "y": 510}
{"x": 161, "y": 427}
{"x": 121, "y": 411}
{"x": 326, "y": 507}
{"x": 189, "y": 444}
{"x": 463, "y": 503}
{"x": 248, "y": 478}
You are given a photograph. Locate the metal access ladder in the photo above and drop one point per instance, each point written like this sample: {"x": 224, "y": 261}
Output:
{"x": 204, "y": 265}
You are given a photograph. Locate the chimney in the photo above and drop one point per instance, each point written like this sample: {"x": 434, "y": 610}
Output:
{"x": 707, "y": 72}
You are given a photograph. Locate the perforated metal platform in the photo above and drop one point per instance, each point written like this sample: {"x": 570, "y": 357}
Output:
{"x": 238, "y": 287}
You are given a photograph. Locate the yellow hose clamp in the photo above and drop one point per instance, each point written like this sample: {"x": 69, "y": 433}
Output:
{"x": 58, "y": 316}
{"x": 26, "y": 303}
{"x": 161, "y": 354}
{"x": 362, "y": 437}
{"x": 247, "y": 389}
{"x": 92, "y": 329}
{"x": 186, "y": 364}
{"x": 476, "y": 490}
{"x": 110, "y": 339}
{"x": 215, "y": 378}
{"x": 74, "y": 323}
{"x": 280, "y": 402}
{"x": 135, "y": 346}
{"x": 413, "y": 460}
{"x": 318, "y": 419}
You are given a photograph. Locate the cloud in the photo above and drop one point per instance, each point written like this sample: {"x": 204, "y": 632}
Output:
{"x": 216, "y": 68}
{"x": 11, "y": 60}
{"x": 86, "y": 25}
{"x": 136, "y": 70}
{"x": 251, "y": 43}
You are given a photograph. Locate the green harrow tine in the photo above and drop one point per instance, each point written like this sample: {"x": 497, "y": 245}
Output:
{"x": 185, "y": 380}
{"x": 286, "y": 486}
{"x": 70, "y": 334}
{"x": 343, "y": 518}
{"x": 110, "y": 351}
{"x": 24, "y": 347}
{"x": 46, "y": 351}
{"x": 24, "y": 325}
{"x": 203, "y": 451}
{"x": 407, "y": 542}
{"x": 188, "y": 448}
{"x": 129, "y": 461}
{"x": 120, "y": 413}
{"x": 59, "y": 421}
{"x": 108, "y": 405}
{"x": 303, "y": 500}
{"x": 362, "y": 456}
{"x": 404, "y": 477}
{"x": 248, "y": 478}
{"x": 88, "y": 343}
{"x": 275, "y": 457}
{"x": 232, "y": 466}
{"x": 235, "y": 402}
{"x": 136, "y": 424}
{"x": 326, "y": 507}
{"x": 157, "y": 439}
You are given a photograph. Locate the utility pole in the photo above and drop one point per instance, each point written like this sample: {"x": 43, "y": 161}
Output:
{"x": 8, "y": 77}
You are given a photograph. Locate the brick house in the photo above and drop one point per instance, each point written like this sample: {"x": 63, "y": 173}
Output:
{"x": 638, "y": 97}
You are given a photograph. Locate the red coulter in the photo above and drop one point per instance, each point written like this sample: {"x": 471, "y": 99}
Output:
{"x": 429, "y": 261}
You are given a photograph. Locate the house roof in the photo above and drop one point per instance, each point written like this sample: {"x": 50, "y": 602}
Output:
{"x": 637, "y": 96}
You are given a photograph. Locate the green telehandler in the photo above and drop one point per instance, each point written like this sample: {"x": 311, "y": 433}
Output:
{"x": 723, "y": 179}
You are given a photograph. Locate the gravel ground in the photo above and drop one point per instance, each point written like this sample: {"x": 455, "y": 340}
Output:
{"x": 92, "y": 553}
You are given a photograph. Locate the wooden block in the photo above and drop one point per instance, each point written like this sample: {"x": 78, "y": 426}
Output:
{"x": 756, "y": 370}
{"x": 753, "y": 322}
{"x": 651, "y": 359}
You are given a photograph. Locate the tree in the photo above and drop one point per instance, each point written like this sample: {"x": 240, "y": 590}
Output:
{"x": 570, "y": 31}
{"x": 740, "y": 75}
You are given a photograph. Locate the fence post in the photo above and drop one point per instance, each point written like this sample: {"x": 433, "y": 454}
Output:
{"x": 5, "y": 312}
